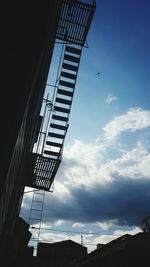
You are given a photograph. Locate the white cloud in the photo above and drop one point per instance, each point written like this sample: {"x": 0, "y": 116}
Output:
{"x": 60, "y": 187}
{"x": 107, "y": 224}
{"x": 110, "y": 98}
{"x": 78, "y": 225}
{"x": 46, "y": 226}
{"x": 135, "y": 119}
{"x": 59, "y": 222}
{"x": 133, "y": 231}
{"x": 133, "y": 164}
{"x": 101, "y": 239}
{"x": 89, "y": 166}
{"x": 82, "y": 160}
{"x": 93, "y": 240}
{"x": 50, "y": 237}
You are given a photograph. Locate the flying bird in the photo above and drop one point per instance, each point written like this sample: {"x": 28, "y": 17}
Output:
{"x": 98, "y": 73}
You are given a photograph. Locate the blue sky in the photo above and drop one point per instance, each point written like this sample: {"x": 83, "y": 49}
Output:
{"x": 102, "y": 188}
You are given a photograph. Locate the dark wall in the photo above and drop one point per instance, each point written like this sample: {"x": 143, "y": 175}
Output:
{"x": 28, "y": 32}
{"x": 59, "y": 253}
{"x": 134, "y": 251}
{"x": 24, "y": 30}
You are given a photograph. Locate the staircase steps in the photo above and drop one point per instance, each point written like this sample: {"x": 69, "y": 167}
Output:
{"x": 64, "y": 92}
{"x": 51, "y": 153}
{"x": 68, "y": 75}
{"x": 58, "y": 126}
{"x": 59, "y": 118}
{"x": 63, "y": 101}
{"x": 71, "y": 58}
{"x": 50, "y": 143}
{"x": 66, "y": 84}
{"x": 69, "y": 67}
{"x": 63, "y": 110}
{"x": 56, "y": 135}
{"x": 73, "y": 50}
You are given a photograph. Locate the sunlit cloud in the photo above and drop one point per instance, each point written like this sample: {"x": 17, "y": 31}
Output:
{"x": 135, "y": 119}
{"x": 134, "y": 231}
{"x": 78, "y": 225}
{"x": 106, "y": 225}
{"x": 115, "y": 191}
{"x": 93, "y": 188}
{"x": 59, "y": 222}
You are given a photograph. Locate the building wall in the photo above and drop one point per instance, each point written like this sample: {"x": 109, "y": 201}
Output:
{"x": 59, "y": 253}
{"x": 27, "y": 40}
{"x": 125, "y": 251}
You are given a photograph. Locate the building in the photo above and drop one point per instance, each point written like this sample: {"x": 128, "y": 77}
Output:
{"x": 28, "y": 35}
{"x": 124, "y": 251}
{"x": 59, "y": 253}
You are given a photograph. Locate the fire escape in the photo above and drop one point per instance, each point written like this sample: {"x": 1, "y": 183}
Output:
{"x": 49, "y": 147}
{"x": 74, "y": 22}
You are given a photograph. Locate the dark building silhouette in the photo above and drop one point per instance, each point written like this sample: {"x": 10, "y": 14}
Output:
{"x": 125, "y": 251}
{"x": 27, "y": 40}
{"x": 59, "y": 253}
{"x": 14, "y": 250}
{"x": 29, "y": 30}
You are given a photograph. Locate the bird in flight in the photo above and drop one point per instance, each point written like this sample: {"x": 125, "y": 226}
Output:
{"x": 98, "y": 73}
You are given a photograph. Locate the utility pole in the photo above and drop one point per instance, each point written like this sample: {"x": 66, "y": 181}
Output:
{"x": 147, "y": 224}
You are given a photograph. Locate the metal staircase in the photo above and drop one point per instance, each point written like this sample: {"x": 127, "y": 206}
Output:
{"x": 44, "y": 160}
{"x": 49, "y": 146}
{"x": 49, "y": 158}
{"x": 63, "y": 102}
{"x": 73, "y": 26}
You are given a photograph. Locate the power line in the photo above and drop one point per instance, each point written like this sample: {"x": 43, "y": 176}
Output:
{"x": 70, "y": 231}
{"x": 66, "y": 231}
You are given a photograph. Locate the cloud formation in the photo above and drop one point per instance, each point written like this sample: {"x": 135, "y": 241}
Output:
{"x": 93, "y": 187}
{"x": 123, "y": 200}
{"x": 78, "y": 225}
{"x": 135, "y": 119}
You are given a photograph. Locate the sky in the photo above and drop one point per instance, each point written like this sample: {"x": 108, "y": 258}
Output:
{"x": 102, "y": 188}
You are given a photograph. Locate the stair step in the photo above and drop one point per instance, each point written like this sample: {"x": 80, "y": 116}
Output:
{"x": 68, "y": 75}
{"x": 73, "y": 50}
{"x": 58, "y": 126}
{"x": 60, "y": 109}
{"x": 49, "y": 143}
{"x": 64, "y": 92}
{"x": 67, "y": 84}
{"x": 51, "y": 153}
{"x": 69, "y": 67}
{"x": 71, "y": 58}
{"x": 59, "y": 118}
{"x": 63, "y": 101}
{"x": 61, "y": 136}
